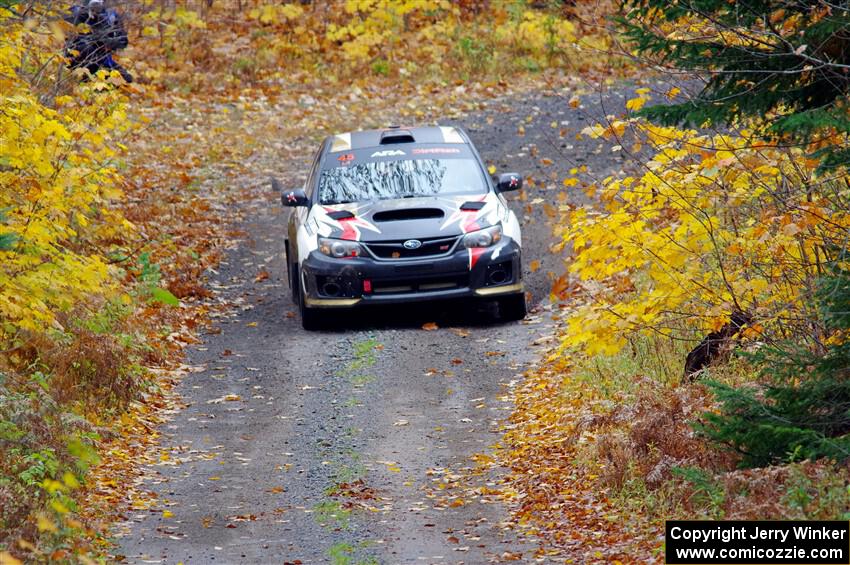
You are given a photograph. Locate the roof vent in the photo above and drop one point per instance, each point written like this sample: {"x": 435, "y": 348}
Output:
{"x": 396, "y": 135}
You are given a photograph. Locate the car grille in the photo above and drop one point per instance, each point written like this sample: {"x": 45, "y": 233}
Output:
{"x": 396, "y": 250}
{"x": 426, "y": 284}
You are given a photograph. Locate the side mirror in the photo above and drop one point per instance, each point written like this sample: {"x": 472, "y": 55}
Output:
{"x": 294, "y": 197}
{"x": 508, "y": 181}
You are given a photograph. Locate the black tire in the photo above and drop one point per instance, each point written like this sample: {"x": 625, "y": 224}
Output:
{"x": 512, "y": 308}
{"x": 294, "y": 279}
{"x": 312, "y": 319}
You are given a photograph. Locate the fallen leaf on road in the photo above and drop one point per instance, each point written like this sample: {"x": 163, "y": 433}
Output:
{"x": 460, "y": 332}
{"x": 401, "y": 423}
{"x": 226, "y": 397}
{"x": 261, "y": 276}
{"x": 391, "y": 466}
{"x": 430, "y": 327}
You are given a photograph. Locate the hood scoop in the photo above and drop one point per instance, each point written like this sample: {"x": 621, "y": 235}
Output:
{"x": 407, "y": 214}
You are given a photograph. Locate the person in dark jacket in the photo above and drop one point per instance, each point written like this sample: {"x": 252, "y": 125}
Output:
{"x": 93, "y": 50}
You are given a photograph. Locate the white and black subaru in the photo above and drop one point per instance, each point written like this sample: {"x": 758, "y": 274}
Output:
{"x": 400, "y": 215}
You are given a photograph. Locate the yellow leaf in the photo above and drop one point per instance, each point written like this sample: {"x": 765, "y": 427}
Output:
{"x": 45, "y": 524}
{"x": 70, "y": 480}
{"x": 635, "y": 104}
{"x": 7, "y": 558}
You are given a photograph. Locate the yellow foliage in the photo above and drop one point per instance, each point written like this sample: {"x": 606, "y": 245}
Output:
{"x": 538, "y": 32}
{"x": 717, "y": 223}
{"x": 273, "y": 14}
{"x": 57, "y": 184}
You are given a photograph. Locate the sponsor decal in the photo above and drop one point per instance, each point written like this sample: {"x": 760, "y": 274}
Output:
{"x": 291, "y": 197}
{"x": 467, "y": 218}
{"x": 346, "y": 158}
{"x": 389, "y": 153}
{"x": 435, "y": 151}
{"x": 475, "y": 253}
{"x": 341, "y": 142}
{"x": 451, "y": 135}
{"x": 349, "y": 223}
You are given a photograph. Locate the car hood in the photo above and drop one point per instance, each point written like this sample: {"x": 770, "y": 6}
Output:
{"x": 408, "y": 218}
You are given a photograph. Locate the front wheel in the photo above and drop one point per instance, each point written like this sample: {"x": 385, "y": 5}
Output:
{"x": 294, "y": 287}
{"x": 312, "y": 319}
{"x": 512, "y": 308}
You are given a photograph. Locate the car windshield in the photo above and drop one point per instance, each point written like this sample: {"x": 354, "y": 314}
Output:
{"x": 406, "y": 178}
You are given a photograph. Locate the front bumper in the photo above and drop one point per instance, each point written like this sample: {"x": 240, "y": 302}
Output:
{"x": 345, "y": 283}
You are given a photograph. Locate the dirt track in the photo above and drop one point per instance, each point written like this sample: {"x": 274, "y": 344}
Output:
{"x": 328, "y": 447}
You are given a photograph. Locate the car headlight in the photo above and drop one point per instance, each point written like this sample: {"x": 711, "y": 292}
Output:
{"x": 340, "y": 248}
{"x": 483, "y": 238}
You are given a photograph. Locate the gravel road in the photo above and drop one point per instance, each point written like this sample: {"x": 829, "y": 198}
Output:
{"x": 331, "y": 447}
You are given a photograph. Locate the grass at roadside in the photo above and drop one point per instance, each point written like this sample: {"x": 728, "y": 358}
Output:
{"x": 602, "y": 450}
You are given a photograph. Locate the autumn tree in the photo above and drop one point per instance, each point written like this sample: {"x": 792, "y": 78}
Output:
{"x": 777, "y": 72}
{"x": 803, "y": 409}
{"x": 786, "y": 60}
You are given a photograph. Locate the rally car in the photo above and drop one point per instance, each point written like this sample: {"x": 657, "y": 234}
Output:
{"x": 400, "y": 215}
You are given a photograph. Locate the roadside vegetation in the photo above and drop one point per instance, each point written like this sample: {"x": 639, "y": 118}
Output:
{"x": 703, "y": 361}
{"x": 730, "y": 221}
{"x": 116, "y": 199}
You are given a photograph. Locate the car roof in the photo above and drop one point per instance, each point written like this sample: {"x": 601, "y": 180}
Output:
{"x": 393, "y": 135}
